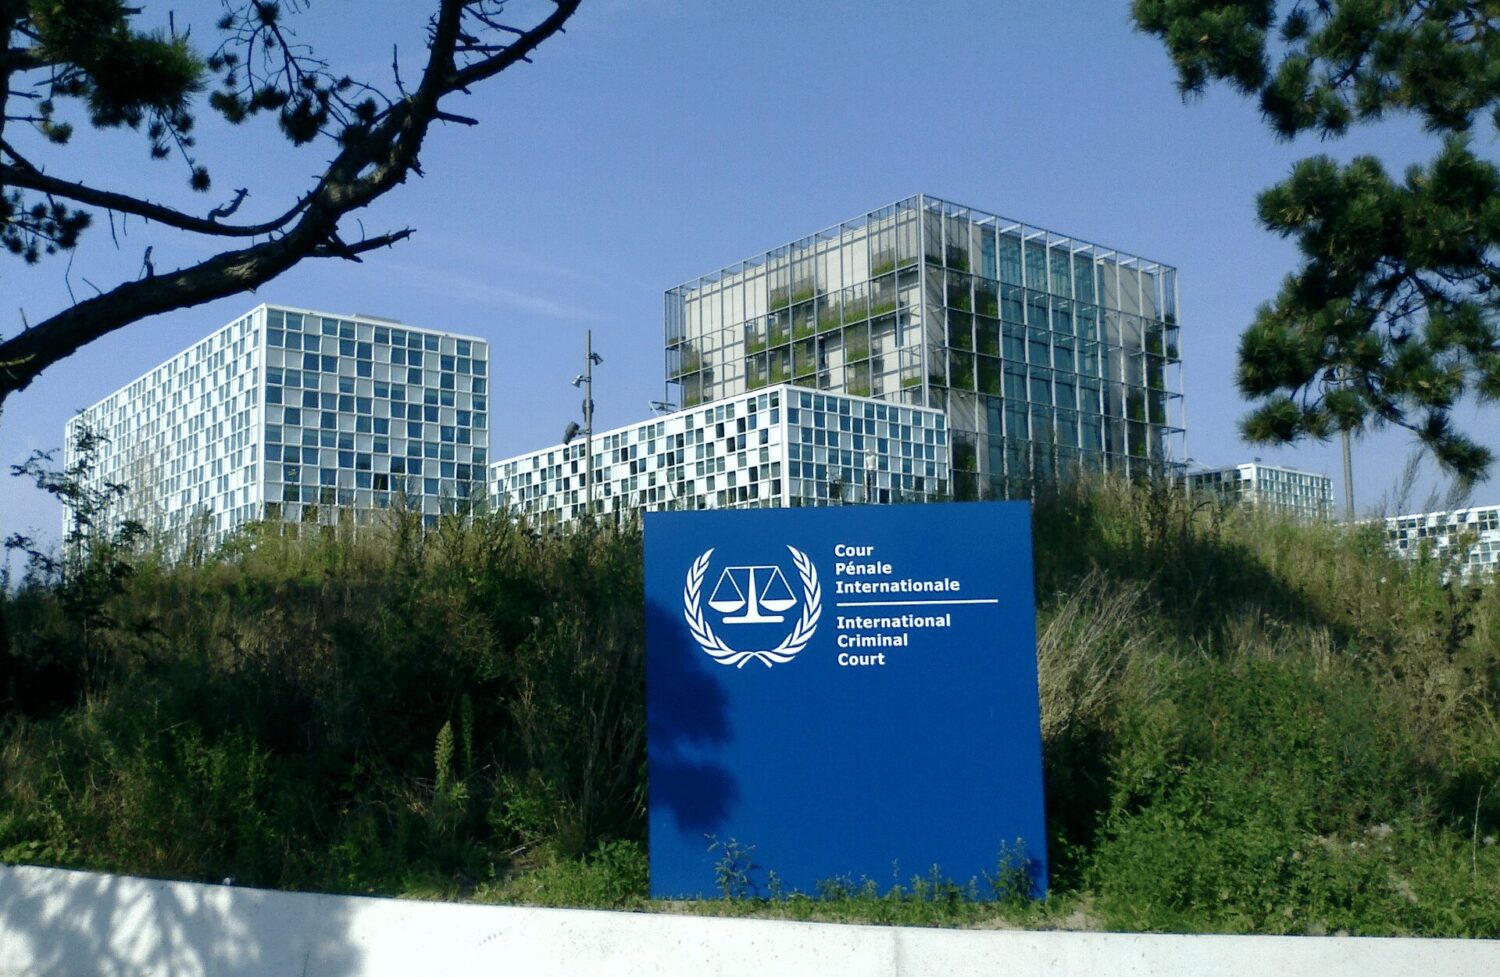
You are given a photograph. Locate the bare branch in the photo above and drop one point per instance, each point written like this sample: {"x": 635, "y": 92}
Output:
{"x": 227, "y": 210}
{"x": 518, "y": 51}
{"x": 29, "y": 178}
{"x": 336, "y": 248}
{"x": 396, "y": 71}
{"x": 24, "y": 356}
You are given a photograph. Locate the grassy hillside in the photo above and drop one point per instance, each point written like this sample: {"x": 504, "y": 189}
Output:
{"x": 1249, "y": 725}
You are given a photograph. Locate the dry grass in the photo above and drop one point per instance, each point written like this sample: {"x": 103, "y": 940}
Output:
{"x": 1083, "y": 649}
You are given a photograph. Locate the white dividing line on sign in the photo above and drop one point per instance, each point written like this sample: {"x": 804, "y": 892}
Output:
{"x": 914, "y": 603}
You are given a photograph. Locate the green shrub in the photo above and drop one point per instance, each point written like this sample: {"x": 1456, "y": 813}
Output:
{"x": 613, "y": 876}
{"x": 274, "y": 719}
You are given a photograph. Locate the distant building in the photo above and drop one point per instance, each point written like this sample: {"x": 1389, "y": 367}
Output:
{"x": 1304, "y": 495}
{"x": 778, "y": 446}
{"x": 1470, "y": 537}
{"x": 1046, "y": 353}
{"x": 294, "y": 415}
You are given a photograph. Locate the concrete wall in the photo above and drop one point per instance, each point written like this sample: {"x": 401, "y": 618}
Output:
{"x": 84, "y": 924}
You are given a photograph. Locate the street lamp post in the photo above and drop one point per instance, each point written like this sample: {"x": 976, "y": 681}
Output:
{"x": 1348, "y": 481}
{"x": 586, "y": 380}
{"x": 1344, "y": 380}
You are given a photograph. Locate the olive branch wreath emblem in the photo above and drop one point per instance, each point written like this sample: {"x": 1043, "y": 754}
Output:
{"x": 714, "y": 646}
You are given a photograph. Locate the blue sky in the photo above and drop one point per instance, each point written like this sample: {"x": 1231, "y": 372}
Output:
{"x": 657, "y": 141}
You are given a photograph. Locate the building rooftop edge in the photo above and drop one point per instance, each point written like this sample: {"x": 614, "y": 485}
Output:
{"x": 371, "y": 319}
{"x": 918, "y": 197}
{"x": 1443, "y": 512}
{"x": 1210, "y": 470}
{"x": 254, "y": 309}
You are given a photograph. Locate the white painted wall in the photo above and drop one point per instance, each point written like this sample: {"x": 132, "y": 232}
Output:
{"x": 54, "y": 922}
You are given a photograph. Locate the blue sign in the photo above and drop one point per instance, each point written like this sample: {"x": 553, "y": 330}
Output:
{"x": 841, "y": 693}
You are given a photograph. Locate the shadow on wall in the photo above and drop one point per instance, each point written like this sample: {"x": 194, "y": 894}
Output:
{"x": 82, "y": 924}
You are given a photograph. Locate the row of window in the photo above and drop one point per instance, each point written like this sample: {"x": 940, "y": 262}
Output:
{"x": 355, "y": 404}
{"x": 294, "y": 474}
{"x": 332, "y": 425}
{"x": 378, "y": 491}
{"x": 311, "y": 441}
{"x": 370, "y": 352}
{"x": 437, "y": 409}
{"x": 964, "y": 331}
{"x": 344, "y": 329}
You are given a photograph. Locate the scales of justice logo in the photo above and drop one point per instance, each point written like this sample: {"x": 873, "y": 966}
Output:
{"x": 753, "y": 595}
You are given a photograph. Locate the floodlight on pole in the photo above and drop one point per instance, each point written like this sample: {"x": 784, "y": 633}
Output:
{"x": 586, "y": 381}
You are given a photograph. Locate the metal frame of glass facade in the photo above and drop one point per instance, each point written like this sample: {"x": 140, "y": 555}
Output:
{"x": 780, "y": 446}
{"x": 1304, "y": 495}
{"x": 1045, "y": 352}
{"x": 299, "y": 416}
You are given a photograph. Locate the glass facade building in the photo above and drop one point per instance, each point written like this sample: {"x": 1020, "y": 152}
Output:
{"x": 1471, "y": 536}
{"x": 1304, "y": 495}
{"x": 778, "y": 446}
{"x": 1045, "y": 352}
{"x": 299, "y": 416}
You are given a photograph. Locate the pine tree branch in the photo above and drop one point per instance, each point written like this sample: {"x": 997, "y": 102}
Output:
{"x": 27, "y": 177}
{"x": 369, "y": 164}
